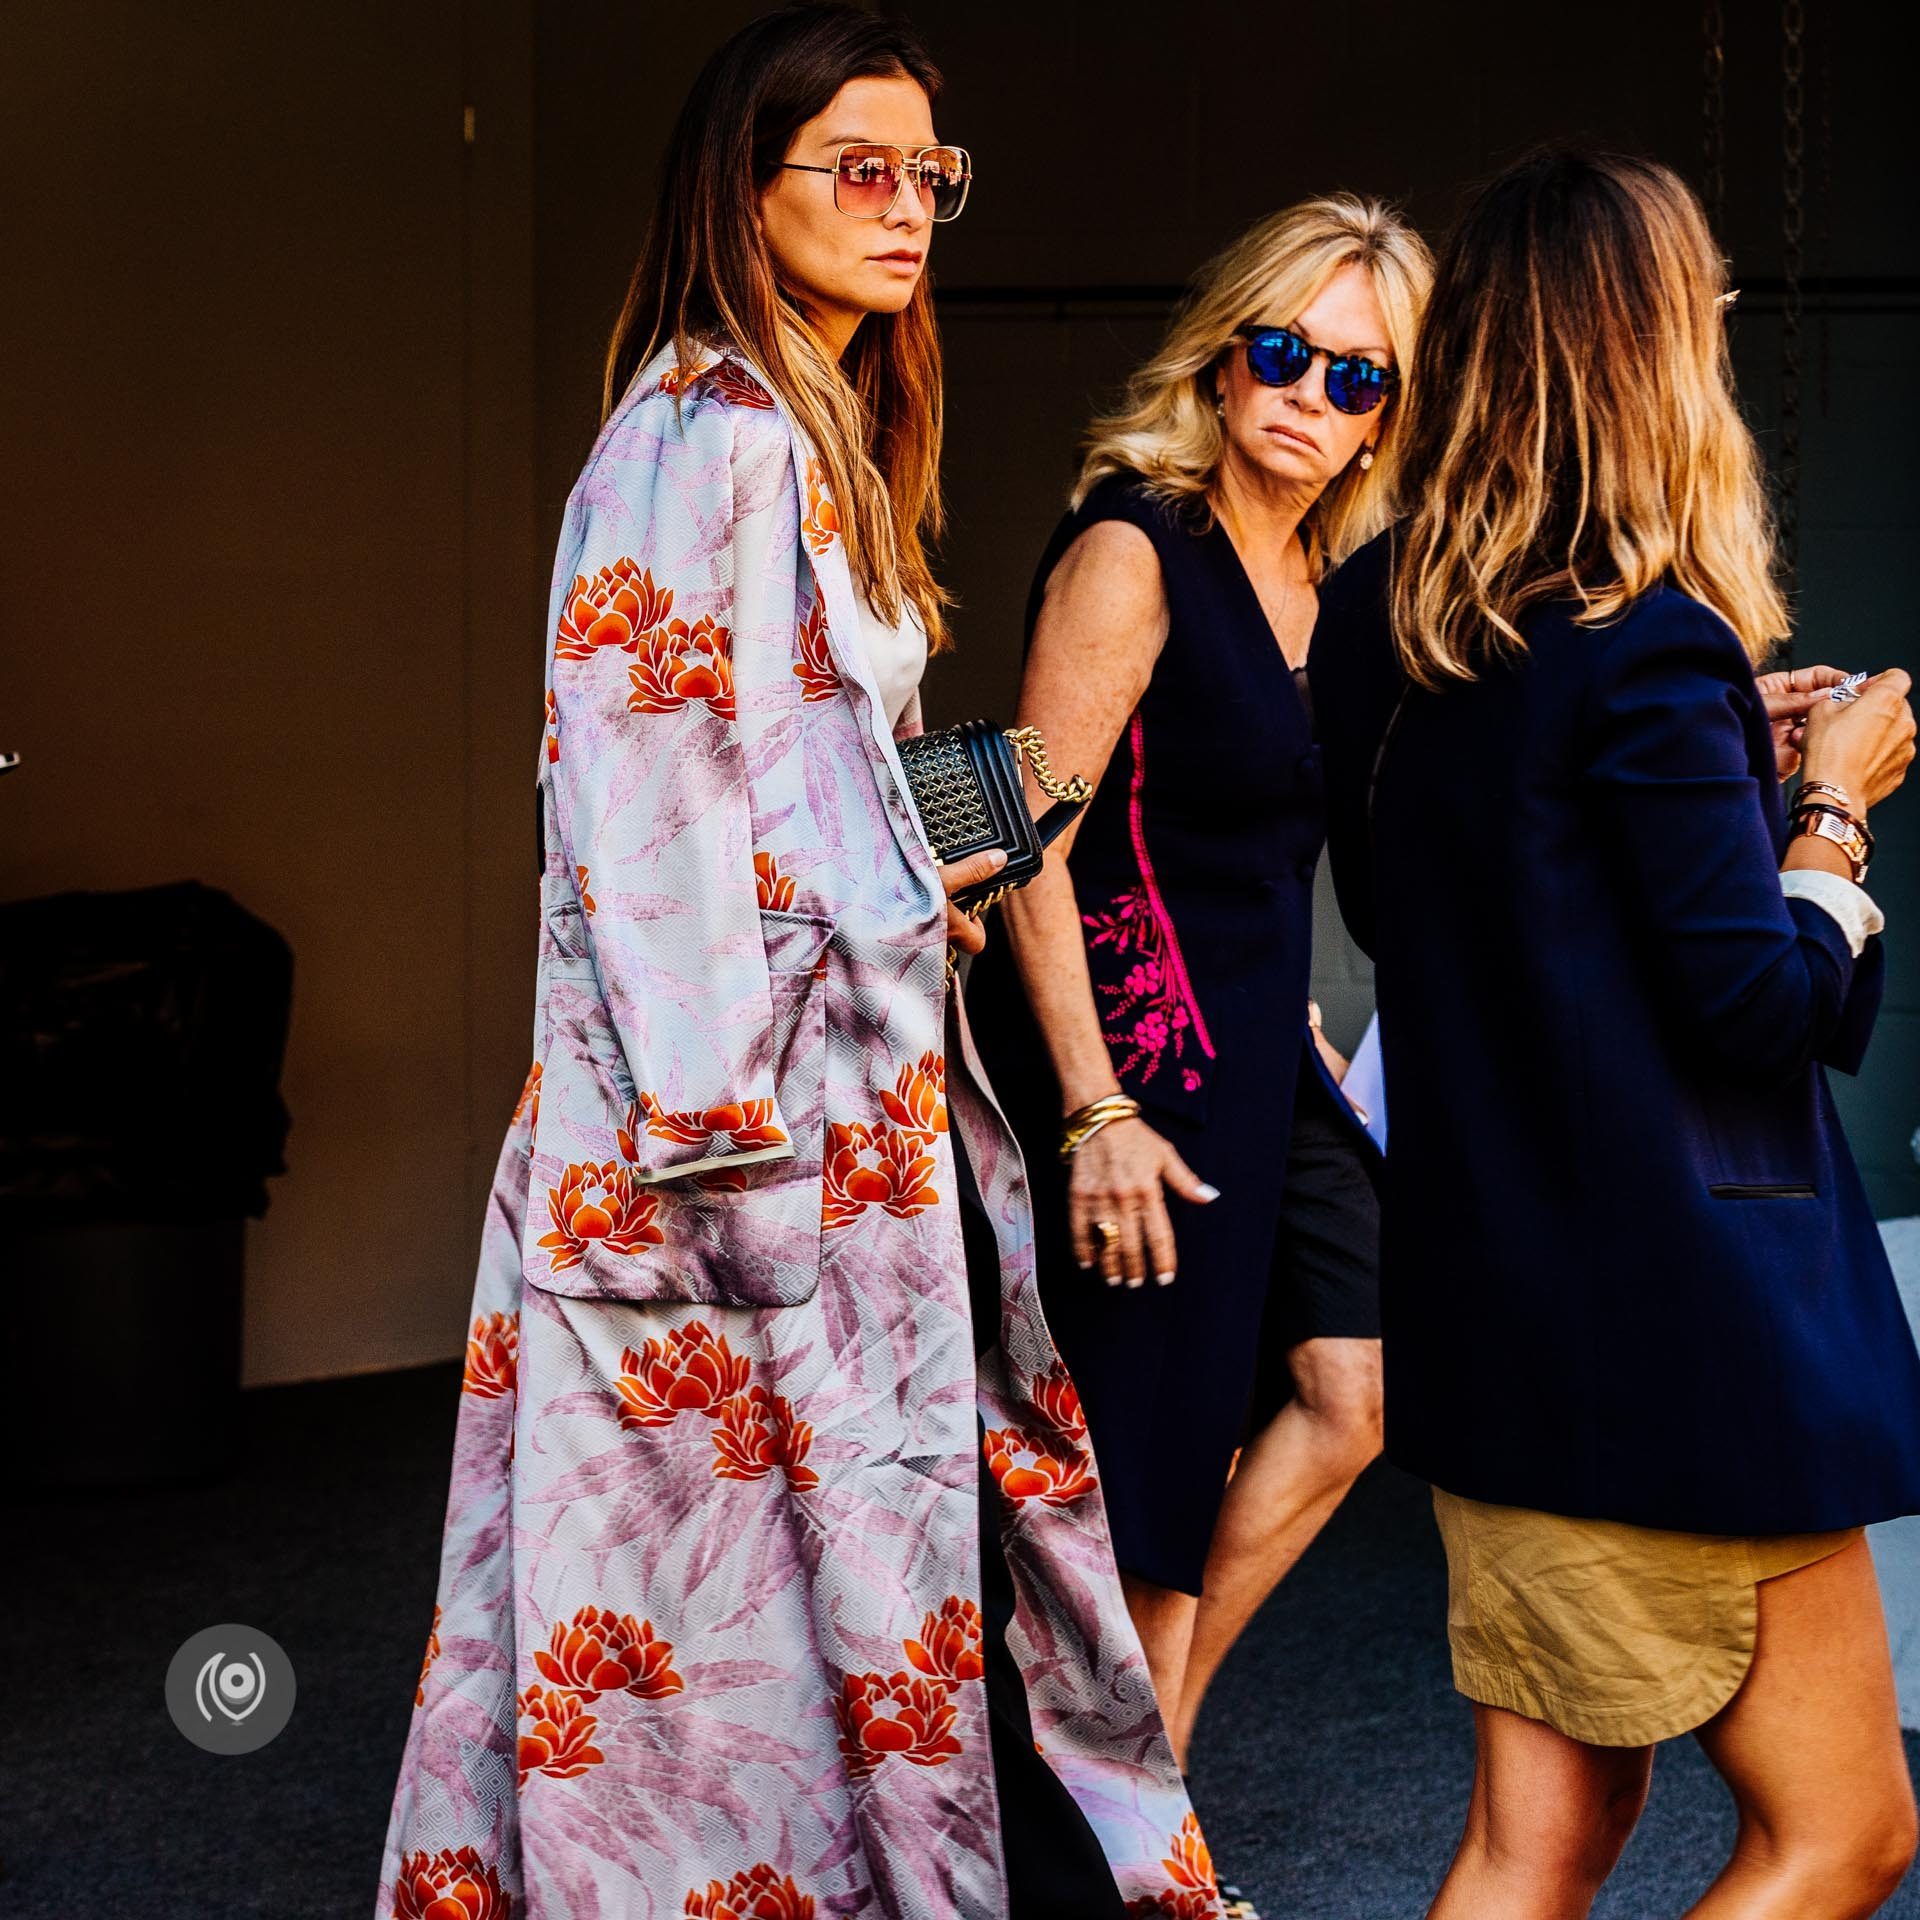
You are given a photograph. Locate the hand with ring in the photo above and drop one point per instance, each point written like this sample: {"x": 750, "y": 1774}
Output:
{"x": 1116, "y": 1186}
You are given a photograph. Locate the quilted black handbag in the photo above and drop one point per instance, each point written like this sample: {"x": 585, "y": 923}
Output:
{"x": 965, "y": 782}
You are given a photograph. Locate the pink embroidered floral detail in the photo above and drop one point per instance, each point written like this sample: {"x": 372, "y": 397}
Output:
{"x": 1150, "y": 1017}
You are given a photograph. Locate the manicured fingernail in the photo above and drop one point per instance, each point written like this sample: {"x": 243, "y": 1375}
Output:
{"x": 1113, "y": 1279}
{"x": 1209, "y": 1193}
{"x": 1165, "y": 1279}
{"x": 996, "y": 856}
{"x": 1136, "y": 1279}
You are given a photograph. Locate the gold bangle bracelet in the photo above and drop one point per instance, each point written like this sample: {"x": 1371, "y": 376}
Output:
{"x": 1084, "y": 1122}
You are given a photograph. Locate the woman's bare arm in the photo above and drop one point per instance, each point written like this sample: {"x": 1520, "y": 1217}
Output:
{"x": 1101, "y": 627}
{"x": 1102, "y": 623}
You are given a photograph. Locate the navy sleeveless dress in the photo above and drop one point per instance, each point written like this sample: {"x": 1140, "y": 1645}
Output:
{"x": 1193, "y": 870}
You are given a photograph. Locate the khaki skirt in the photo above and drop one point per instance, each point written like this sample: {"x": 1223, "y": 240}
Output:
{"x": 1612, "y": 1634}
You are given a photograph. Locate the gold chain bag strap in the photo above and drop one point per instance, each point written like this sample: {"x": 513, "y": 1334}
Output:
{"x": 966, "y": 788}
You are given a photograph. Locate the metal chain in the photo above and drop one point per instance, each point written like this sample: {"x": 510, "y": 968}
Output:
{"x": 1075, "y": 788}
{"x": 1713, "y": 114}
{"x": 1793, "y": 222}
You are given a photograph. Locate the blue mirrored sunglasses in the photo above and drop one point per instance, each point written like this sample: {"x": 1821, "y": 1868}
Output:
{"x": 1277, "y": 357}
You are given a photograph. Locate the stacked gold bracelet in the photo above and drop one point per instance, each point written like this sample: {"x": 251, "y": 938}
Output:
{"x": 1084, "y": 1122}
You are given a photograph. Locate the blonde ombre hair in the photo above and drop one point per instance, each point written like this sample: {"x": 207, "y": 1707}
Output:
{"x": 1165, "y": 428}
{"x": 1573, "y": 433}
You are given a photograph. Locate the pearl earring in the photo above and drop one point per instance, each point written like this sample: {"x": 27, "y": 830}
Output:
{"x": 1366, "y": 459}
{"x": 1220, "y": 406}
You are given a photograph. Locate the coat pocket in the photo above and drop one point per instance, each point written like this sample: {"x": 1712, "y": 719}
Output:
{"x": 731, "y": 1236}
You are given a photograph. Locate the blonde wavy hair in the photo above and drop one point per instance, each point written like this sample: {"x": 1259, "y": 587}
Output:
{"x": 1165, "y": 428}
{"x": 1573, "y": 432}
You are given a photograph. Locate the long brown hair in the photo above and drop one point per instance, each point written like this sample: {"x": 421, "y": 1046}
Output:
{"x": 705, "y": 274}
{"x": 1572, "y": 432}
{"x": 1165, "y": 428}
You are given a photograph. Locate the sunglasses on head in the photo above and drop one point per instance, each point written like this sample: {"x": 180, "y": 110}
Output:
{"x": 1277, "y": 357}
{"x": 868, "y": 176}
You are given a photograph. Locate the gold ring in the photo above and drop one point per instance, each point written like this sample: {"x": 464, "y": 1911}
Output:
{"x": 1108, "y": 1230}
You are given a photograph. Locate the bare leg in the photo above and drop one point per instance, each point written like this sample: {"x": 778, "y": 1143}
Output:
{"x": 1546, "y": 1822}
{"x": 1290, "y": 1478}
{"x": 1163, "y": 1617}
{"x": 1810, "y": 1746}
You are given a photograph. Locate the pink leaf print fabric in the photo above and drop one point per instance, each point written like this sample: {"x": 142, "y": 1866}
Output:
{"x": 1149, "y": 1015}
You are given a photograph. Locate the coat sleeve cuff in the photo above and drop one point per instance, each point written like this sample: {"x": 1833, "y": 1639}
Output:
{"x": 1852, "y": 906}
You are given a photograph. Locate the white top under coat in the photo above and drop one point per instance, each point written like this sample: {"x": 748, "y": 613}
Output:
{"x": 896, "y": 655}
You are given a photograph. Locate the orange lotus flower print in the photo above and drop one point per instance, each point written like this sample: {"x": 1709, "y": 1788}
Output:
{"x": 915, "y": 1102}
{"x": 948, "y": 1649}
{"x": 556, "y": 1734}
{"x": 433, "y": 1654}
{"x": 741, "y": 1128}
{"x": 882, "y": 1714}
{"x": 686, "y": 1371}
{"x": 586, "y": 899}
{"x": 493, "y": 1353}
{"x": 553, "y": 727}
{"x": 1195, "y": 1894}
{"x": 875, "y": 1166}
{"x": 680, "y": 664}
{"x": 619, "y": 607}
{"x": 453, "y": 1884}
{"x": 823, "y": 518}
{"x": 758, "y": 1894}
{"x": 774, "y": 888}
{"x": 757, "y": 1433}
{"x": 1059, "y": 1399}
{"x": 1033, "y": 1469}
{"x": 819, "y": 678}
{"x": 599, "y": 1651}
{"x": 599, "y": 1206}
{"x": 1191, "y": 1864}
{"x": 529, "y": 1101}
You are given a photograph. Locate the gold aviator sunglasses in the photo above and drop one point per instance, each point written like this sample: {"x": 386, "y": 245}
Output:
{"x": 868, "y": 176}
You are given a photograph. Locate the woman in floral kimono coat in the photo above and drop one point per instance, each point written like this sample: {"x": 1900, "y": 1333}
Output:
{"x": 710, "y": 1636}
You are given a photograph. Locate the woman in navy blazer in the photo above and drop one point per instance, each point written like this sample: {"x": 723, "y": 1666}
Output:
{"x": 1637, "y": 1313}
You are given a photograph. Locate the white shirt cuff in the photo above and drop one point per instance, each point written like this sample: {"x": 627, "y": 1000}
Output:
{"x": 1850, "y": 905}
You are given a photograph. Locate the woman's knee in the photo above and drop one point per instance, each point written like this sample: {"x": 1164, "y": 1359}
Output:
{"x": 1845, "y": 1866}
{"x": 1339, "y": 1384}
{"x": 1882, "y": 1842}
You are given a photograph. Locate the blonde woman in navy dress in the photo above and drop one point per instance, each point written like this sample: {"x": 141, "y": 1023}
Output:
{"x": 1164, "y": 954}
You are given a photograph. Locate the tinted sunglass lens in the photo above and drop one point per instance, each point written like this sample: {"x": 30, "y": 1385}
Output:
{"x": 867, "y": 182}
{"x": 1278, "y": 359}
{"x": 1356, "y": 385}
{"x": 943, "y": 182}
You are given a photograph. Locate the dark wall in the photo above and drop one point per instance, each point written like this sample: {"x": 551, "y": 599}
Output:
{"x": 267, "y": 554}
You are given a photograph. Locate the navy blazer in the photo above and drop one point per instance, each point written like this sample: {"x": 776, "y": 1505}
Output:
{"x": 1628, "y": 1269}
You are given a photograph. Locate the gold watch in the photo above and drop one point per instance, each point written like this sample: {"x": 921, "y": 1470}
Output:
{"x": 1846, "y": 833}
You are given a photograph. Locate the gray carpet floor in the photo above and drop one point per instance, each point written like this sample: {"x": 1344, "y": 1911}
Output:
{"x": 1330, "y": 1771}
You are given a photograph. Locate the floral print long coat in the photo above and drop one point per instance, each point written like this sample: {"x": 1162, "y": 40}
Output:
{"x": 707, "y": 1639}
